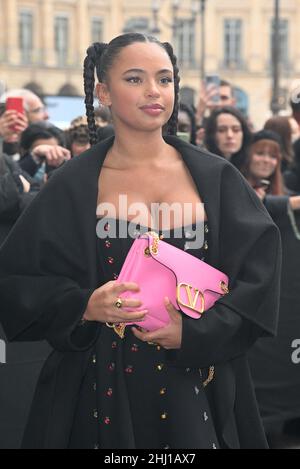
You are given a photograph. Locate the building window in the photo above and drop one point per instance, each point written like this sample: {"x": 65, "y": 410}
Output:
{"x": 233, "y": 32}
{"x": 62, "y": 40}
{"x": 26, "y": 36}
{"x": 97, "y": 30}
{"x": 283, "y": 41}
{"x": 137, "y": 25}
{"x": 185, "y": 42}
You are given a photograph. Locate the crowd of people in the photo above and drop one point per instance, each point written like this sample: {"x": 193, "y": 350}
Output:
{"x": 32, "y": 149}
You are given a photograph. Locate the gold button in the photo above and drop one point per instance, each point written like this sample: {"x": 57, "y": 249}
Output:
{"x": 160, "y": 367}
{"x": 164, "y": 416}
{"x": 163, "y": 391}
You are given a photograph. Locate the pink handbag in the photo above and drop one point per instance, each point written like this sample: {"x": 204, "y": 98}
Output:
{"x": 161, "y": 270}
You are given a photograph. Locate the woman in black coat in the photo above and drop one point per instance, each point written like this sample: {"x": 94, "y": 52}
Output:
{"x": 274, "y": 363}
{"x": 96, "y": 389}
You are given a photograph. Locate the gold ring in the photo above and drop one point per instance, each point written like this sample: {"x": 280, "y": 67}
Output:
{"x": 119, "y": 303}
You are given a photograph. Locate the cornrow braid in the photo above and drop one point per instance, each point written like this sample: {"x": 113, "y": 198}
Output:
{"x": 173, "y": 122}
{"x": 93, "y": 58}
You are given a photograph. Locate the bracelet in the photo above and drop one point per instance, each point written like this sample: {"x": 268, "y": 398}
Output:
{"x": 210, "y": 378}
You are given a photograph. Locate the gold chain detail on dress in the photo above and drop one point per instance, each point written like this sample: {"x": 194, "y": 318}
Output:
{"x": 211, "y": 376}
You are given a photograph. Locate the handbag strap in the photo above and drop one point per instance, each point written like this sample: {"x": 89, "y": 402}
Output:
{"x": 153, "y": 248}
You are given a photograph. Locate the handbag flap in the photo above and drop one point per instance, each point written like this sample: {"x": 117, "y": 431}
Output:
{"x": 199, "y": 285}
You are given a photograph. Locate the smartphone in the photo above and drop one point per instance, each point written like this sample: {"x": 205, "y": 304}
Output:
{"x": 15, "y": 104}
{"x": 213, "y": 81}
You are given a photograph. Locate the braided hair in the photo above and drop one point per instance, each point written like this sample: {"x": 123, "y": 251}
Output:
{"x": 100, "y": 56}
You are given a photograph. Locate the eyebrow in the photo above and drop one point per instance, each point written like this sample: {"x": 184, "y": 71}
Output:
{"x": 139, "y": 70}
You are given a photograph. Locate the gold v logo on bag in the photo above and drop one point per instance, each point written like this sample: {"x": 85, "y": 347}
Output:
{"x": 192, "y": 301}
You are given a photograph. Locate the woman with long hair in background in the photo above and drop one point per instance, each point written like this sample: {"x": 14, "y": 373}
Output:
{"x": 275, "y": 371}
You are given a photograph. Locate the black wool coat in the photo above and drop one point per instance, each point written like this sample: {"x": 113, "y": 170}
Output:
{"x": 49, "y": 269}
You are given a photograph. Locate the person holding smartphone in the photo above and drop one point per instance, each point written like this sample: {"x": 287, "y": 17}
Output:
{"x": 277, "y": 379}
{"x": 214, "y": 93}
{"x": 17, "y": 116}
{"x": 12, "y": 124}
{"x": 34, "y": 108}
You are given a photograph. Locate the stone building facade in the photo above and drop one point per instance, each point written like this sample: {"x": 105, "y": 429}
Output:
{"x": 43, "y": 42}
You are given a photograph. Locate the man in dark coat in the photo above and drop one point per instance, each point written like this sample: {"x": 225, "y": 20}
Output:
{"x": 47, "y": 281}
